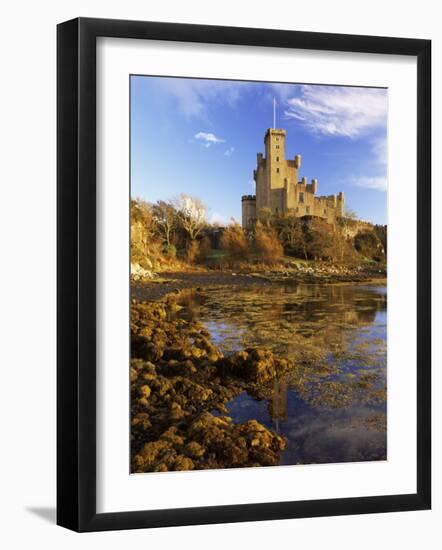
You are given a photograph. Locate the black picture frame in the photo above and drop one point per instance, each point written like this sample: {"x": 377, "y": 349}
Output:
{"x": 76, "y": 274}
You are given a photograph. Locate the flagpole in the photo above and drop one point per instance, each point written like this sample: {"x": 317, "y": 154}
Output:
{"x": 274, "y": 113}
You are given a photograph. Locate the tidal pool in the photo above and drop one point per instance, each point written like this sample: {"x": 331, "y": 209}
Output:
{"x": 334, "y": 408}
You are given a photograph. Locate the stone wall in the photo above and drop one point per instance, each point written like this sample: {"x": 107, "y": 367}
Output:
{"x": 248, "y": 205}
{"x": 278, "y": 186}
{"x": 350, "y": 228}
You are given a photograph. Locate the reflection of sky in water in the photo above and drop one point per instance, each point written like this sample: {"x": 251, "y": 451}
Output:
{"x": 339, "y": 325}
{"x": 316, "y": 435}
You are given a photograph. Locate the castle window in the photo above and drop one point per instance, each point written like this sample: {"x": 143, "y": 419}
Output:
{"x": 277, "y": 159}
{"x": 301, "y": 197}
{"x": 277, "y": 147}
{"x": 277, "y": 170}
{"x": 307, "y": 209}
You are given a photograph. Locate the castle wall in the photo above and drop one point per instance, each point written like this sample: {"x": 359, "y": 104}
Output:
{"x": 248, "y": 204}
{"x": 352, "y": 227}
{"x": 279, "y": 189}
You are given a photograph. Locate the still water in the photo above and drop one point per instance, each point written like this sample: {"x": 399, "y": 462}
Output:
{"x": 334, "y": 408}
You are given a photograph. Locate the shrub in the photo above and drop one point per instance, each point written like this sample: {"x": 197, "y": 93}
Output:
{"x": 266, "y": 216}
{"x": 170, "y": 250}
{"x": 234, "y": 242}
{"x": 291, "y": 234}
{"x": 267, "y": 244}
{"x": 319, "y": 239}
{"x": 381, "y": 233}
{"x": 369, "y": 245}
{"x": 144, "y": 248}
{"x": 204, "y": 248}
{"x": 192, "y": 251}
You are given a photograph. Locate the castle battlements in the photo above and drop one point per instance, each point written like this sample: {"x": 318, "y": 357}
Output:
{"x": 279, "y": 188}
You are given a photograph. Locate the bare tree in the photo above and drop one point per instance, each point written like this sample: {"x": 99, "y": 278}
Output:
{"x": 192, "y": 214}
{"x": 319, "y": 240}
{"x": 290, "y": 231}
{"x": 350, "y": 214}
{"x": 166, "y": 218}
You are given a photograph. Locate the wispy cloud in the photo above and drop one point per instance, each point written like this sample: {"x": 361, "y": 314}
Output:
{"x": 208, "y": 139}
{"x": 378, "y": 183}
{"x": 282, "y": 92}
{"x": 378, "y": 179}
{"x": 229, "y": 152}
{"x": 380, "y": 150}
{"x": 338, "y": 110}
{"x": 195, "y": 98}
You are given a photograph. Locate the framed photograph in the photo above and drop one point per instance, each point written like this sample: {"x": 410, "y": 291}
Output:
{"x": 236, "y": 208}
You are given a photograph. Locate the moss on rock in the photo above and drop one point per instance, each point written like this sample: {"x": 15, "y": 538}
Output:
{"x": 179, "y": 378}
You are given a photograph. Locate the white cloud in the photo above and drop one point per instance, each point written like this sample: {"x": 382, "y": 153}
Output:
{"x": 218, "y": 218}
{"x": 229, "y": 152}
{"x": 378, "y": 183}
{"x": 338, "y": 110}
{"x": 208, "y": 138}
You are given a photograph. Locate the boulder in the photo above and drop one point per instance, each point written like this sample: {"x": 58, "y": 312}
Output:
{"x": 254, "y": 365}
{"x": 138, "y": 273}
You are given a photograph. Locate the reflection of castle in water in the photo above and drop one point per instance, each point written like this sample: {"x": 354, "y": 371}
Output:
{"x": 319, "y": 300}
{"x": 302, "y": 322}
{"x": 278, "y": 402}
{"x": 335, "y": 334}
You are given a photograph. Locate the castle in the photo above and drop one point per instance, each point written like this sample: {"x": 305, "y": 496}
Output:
{"x": 279, "y": 189}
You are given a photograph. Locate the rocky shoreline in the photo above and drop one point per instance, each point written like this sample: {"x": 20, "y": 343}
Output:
{"x": 166, "y": 283}
{"x": 180, "y": 382}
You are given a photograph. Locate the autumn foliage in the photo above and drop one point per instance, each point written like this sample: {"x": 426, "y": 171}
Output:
{"x": 267, "y": 244}
{"x": 175, "y": 233}
{"x": 234, "y": 242}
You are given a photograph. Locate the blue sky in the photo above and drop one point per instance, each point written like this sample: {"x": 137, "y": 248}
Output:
{"x": 200, "y": 137}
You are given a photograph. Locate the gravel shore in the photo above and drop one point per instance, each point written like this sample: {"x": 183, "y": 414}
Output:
{"x": 166, "y": 283}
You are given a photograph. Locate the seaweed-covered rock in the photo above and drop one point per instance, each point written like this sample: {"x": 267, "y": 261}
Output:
{"x": 215, "y": 442}
{"x": 232, "y": 445}
{"x": 178, "y": 379}
{"x": 254, "y": 365}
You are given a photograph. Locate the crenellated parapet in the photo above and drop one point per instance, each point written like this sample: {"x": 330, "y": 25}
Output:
{"x": 248, "y": 207}
{"x": 280, "y": 189}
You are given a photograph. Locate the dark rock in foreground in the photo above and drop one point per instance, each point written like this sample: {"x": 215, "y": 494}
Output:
{"x": 254, "y": 365}
{"x": 179, "y": 378}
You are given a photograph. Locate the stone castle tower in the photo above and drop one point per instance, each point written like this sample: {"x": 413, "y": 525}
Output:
{"x": 278, "y": 186}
